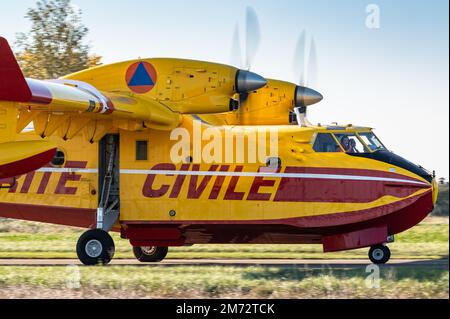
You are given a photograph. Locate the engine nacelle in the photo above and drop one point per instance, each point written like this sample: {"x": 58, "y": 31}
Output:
{"x": 184, "y": 86}
{"x": 271, "y": 105}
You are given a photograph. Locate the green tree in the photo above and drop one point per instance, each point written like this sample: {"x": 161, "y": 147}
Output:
{"x": 55, "y": 45}
{"x": 442, "y": 205}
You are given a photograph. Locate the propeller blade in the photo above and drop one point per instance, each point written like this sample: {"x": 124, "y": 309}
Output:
{"x": 252, "y": 37}
{"x": 312, "y": 74}
{"x": 236, "y": 52}
{"x": 308, "y": 70}
{"x": 300, "y": 58}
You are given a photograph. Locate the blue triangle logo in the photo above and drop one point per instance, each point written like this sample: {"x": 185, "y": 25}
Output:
{"x": 141, "y": 77}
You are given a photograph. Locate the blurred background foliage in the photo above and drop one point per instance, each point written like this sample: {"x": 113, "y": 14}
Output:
{"x": 442, "y": 205}
{"x": 56, "y": 44}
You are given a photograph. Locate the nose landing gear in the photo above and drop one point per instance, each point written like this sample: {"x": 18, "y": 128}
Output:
{"x": 150, "y": 254}
{"x": 379, "y": 254}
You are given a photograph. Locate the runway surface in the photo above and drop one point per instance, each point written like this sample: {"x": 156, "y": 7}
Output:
{"x": 314, "y": 263}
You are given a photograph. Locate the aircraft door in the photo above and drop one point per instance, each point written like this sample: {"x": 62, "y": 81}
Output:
{"x": 109, "y": 182}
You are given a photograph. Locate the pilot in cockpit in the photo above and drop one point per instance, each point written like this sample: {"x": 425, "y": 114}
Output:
{"x": 345, "y": 142}
{"x": 353, "y": 148}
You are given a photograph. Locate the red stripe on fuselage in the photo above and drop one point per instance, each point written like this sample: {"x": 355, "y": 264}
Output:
{"x": 398, "y": 216}
{"x": 340, "y": 191}
{"x": 323, "y": 186}
{"x": 329, "y": 220}
{"x": 76, "y": 217}
{"x": 350, "y": 172}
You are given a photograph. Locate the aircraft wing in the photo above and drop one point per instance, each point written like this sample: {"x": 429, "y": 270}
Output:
{"x": 66, "y": 107}
{"x": 16, "y": 158}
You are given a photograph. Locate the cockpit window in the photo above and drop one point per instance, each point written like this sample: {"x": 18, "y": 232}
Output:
{"x": 325, "y": 143}
{"x": 372, "y": 141}
{"x": 351, "y": 143}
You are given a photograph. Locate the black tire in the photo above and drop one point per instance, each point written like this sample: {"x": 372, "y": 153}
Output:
{"x": 95, "y": 247}
{"x": 379, "y": 254}
{"x": 150, "y": 254}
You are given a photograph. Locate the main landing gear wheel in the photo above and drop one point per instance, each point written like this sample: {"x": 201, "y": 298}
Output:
{"x": 379, "y": 254}
{"x": 95, "y": 247}
{"x": 150, "y": 254}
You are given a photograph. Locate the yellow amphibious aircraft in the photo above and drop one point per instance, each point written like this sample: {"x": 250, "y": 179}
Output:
{"x": 101, "y": 156}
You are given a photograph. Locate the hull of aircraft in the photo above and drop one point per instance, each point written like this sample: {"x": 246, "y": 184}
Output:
{"x": 337, "y": 200}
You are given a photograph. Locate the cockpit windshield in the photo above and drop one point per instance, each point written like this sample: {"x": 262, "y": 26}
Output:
{"x": 372, "y": 141}
{"x": 352, "y": 143}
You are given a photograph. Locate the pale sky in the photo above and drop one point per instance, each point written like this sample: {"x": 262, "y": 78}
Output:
{"x": 394, "y": 78}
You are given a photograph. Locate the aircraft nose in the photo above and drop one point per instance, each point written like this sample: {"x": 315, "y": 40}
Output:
{"x": 305, "y": 96}
{"x": 435, "y": 191}
{"x": 247, "y": 81}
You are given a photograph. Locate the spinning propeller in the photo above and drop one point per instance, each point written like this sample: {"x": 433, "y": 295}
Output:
{"x": 304, "y": 65}
{"x": 307, "y": 68}
{"x": 252, "y": 40}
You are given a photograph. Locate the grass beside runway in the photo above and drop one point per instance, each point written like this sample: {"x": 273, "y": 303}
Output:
{"x": 220, "y": 282}
{"x": 429, "y": 240}
{"x": 30, "y": 240}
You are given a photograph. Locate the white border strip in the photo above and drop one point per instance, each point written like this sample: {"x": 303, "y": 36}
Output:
{"x": 269, "y": 175}
{"x": 67, "y": 170}
{"x": 237, "y": 174}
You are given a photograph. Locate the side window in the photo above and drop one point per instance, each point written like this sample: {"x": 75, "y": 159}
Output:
{"x": 141, "y": 150}
{"x": 325, "y": 143}
{"x": 59, "y": 159}
{"x": 273, "y": 162}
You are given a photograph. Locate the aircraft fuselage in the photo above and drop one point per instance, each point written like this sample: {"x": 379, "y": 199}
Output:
{"x": 330, "y": 198}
